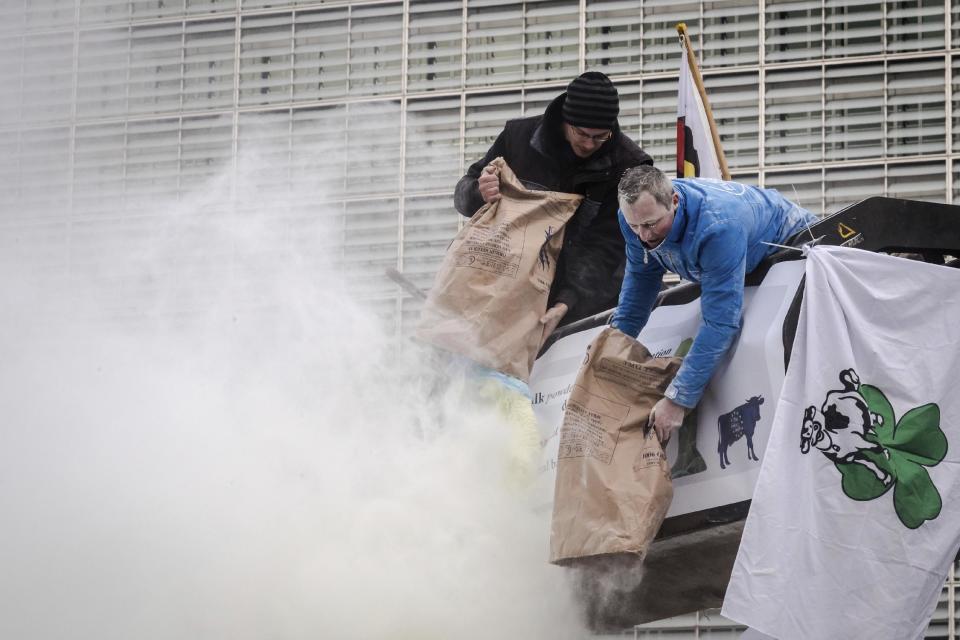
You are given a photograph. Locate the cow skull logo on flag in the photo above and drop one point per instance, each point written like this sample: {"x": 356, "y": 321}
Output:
{"x": 856, "y": 428}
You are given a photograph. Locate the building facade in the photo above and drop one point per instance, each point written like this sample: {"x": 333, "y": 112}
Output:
{"x": 386, "y": 101}
{"x": 124, "y": 102}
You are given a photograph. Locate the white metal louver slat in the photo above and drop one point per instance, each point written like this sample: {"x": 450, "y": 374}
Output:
{"x": 376, "y": 36}
{"x": 318, "y": 152}
{"x": 9, "y": 174}
{"x": 629, "y": 117}
{"x": 494, "y": 43}
{"x": 846, "y": 186}
{"x": 330, "y": 219}
{"x": 939, "y": 625}
{"x": 955, "y": 97}
{"x": 793, "y": 111}
{"x": 852, "y": 28}
{"x": 11, "y": 68}
{"x": 793, "y": 31}
{"x": 44, "y": 174}
{"x": 661, "y": 51}
{"x": 434, "y": 46}
{"x": 793, "y": 5}
{"x": 147, "y": 9}
{"x": 659, "y": 122}
{"x": 373, "y": 148}
{"x": 749, "y": 177}
{"x": 102, "y": 73}
{"x": 915, "y": 25}
{"x": 955, "y": 24}
{"x": 731, "y": 34}
{"x": 152, "y": 164}
{"x": 47, "y": 14}
{"x": 13, "y": 18}
{"x": 484, "y": 119}
{"x": 432, "y": 145}
{"x": 46, "y": 86}
{"x": 370, "y": 244}
{"x": 535, "y": 101}
{"x": 40, "y": 246}
{"x": 552, "y": 40}
{"x": 854, "y": 112}
{"x": 206, "y": 151}
{"x": 155, "y": 68}
{"x": 98, "y": 168}
{"x": 916, "y": 114}
{"x": 196, "y": 7}
{"x": 35, "y": 198}
{"x": 920, "y": 181}
{"x": 266, "y": 4}
{"x": 430, "y": 223}
{"x": 286, "y": 4}
{"x": 613, "y": 36}
{"x": 735, "y": 102}
{"x": 103, "y": 11}
{"x": 208, "y": 64}
{"x": 266, "y": 59}
{"x": 803, "y": 187}
{"x": 321, "y": 42}
{"x": 263, "y": 153}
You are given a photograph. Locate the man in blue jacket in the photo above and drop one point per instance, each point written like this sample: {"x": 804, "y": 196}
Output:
{"x": 705, "y": 231}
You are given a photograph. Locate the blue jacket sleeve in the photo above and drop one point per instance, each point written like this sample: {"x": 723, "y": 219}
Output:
{"x": 641, "y": 284}
{"x": 723, "y": 259}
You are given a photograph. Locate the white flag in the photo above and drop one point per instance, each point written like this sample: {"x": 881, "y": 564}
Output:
{"x": 856, "y": 516}
{"x": 696, "y": 155}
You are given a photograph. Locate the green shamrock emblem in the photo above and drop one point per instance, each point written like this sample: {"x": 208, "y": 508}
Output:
{"x": 858, "y": 430}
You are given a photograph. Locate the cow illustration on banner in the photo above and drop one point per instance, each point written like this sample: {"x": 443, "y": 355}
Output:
{"x": 739, "y": 423}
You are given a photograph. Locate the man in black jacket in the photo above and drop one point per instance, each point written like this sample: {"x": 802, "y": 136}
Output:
{"x": 576, "y": 146}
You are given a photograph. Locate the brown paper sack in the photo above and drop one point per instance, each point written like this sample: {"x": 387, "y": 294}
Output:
{"x": 492, "y": 287}
{"x": 613, "y": 484}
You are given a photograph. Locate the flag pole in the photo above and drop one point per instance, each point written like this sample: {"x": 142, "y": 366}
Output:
{"x": 695, "y": 72}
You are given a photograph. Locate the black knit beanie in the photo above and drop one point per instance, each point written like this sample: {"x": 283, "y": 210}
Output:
{"x": 592, "y": 102}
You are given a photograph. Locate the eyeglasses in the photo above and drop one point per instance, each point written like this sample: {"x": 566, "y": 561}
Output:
{"x": 600, "y": 137}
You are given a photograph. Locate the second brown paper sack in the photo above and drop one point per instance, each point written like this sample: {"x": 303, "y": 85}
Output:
{"x": 613, "y": 486}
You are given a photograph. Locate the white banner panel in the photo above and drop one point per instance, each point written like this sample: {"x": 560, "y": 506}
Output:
{"x": 725, "y": 417}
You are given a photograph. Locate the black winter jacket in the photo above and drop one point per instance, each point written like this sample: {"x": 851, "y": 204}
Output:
{"x": 590, "y": 267}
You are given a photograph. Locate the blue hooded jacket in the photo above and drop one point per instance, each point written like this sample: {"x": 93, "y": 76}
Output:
{"x": 716, "y": 239}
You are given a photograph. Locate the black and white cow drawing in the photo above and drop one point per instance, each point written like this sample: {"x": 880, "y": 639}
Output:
{"x": 839, "y": 430}
{"x": 740, "y": 422}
